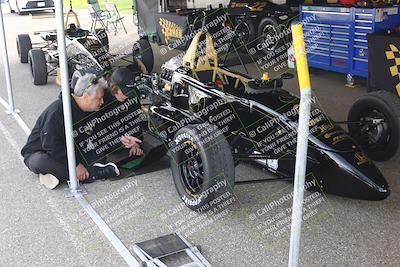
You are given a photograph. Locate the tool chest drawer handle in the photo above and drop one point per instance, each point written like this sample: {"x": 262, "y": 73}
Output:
{"x": 335, "y": 56}
{"x": 319, "y": 54}
{"x": 360, "y": 59}
{"x": 318, "y": 24}
{"x": 341, "y": 26}
{"x": 363, "y": 21}
{"x": 309, "y": 37}
{"x": 327, "y": 12}
{"x": 339, "y": 51}
{"x": 322, "y": 48}
{"x": 340, "y": 39}
{"x": 360, "y": 46}
{"x": 360, "y": 40}
{"x": 340, "y": 45}
{"x": 363, "y": 27}
{"x": 344, "y": 33}
{"x": 323, "y": 43}
{"x": 364, "y": 14}
{"x": 306, "y": 32}
{"x": 361, "y": 33}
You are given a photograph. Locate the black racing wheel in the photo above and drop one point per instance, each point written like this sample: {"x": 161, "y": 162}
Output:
{"x": 24, "y": 44}
{"x": 245, "y": 34}
{"x": 268, "y": 35}
{"x": 374, "y": 122}
{"x": 202, "y": 165}
{"x": 38, "y": 65}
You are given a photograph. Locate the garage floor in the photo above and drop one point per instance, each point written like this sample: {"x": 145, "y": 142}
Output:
{"x": 43, "y": 228}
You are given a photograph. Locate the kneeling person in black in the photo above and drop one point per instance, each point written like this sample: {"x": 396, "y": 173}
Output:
{"x": 45, "y": 151}
{"x": 123, "y": 95}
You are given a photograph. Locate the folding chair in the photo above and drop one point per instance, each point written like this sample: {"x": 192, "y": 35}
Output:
{"x": 97, "y": 15}
{"x": 115, "y": 18}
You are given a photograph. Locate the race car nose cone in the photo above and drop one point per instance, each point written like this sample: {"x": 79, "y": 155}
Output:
{"x": 351, "y": 180}
{"x": 376, "y": 192}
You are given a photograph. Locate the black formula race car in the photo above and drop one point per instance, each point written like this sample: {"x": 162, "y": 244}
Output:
{"x": 210, "y": 118}
{"x": 259, "y": 24}
{"x": 84, "y": 50}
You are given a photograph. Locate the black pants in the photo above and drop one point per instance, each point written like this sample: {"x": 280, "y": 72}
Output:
{"x": 40, "y": 162}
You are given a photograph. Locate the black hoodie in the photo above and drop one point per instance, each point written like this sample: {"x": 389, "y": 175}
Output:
{"x": 48, "y": 134}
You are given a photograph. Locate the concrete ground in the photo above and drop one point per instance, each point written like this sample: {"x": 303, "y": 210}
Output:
{"x": 43, "y": 228}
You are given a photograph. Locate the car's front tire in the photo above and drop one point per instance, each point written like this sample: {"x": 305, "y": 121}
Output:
{"x": 378, "y": 132}
{"x": 38, "y": 65}
{"x": 202, "y": 165}
{"x": 24, "y": 44}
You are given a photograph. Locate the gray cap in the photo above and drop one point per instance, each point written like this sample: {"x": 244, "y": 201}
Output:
{"x": 88, "y": 83}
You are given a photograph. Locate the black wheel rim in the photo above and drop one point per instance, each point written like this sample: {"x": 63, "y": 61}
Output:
{"x": 270, "y": 30}
{"x": 243, "y": 34}
{"x": 374, "y": 133}
{"x": 191, "y": 168}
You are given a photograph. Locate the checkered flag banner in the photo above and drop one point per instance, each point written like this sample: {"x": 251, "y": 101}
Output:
{"x": 394, "y": 54}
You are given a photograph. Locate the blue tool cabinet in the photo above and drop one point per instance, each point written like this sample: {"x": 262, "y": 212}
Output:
{"x": 336, "y": 37}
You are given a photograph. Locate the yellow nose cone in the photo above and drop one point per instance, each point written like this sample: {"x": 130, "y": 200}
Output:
{"x": 265, "y": 76}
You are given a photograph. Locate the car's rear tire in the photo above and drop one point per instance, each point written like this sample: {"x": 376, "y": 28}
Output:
{"x": 269, "y": 27}
{"x": 38, "y": 65}
{"x": 142, "y": 51}
{"x": 202, "y": 165}
{"x": 24, "y": 44}
{"x": 245, "y": 35}
{"x": 380, "y": 139}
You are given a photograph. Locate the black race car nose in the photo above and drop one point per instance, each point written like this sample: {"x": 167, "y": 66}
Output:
{"x": 340, "y": 177}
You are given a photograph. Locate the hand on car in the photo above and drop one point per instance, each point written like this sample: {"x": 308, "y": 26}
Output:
{"x": 81, "y": 172}
{"x": 130, "y": 141}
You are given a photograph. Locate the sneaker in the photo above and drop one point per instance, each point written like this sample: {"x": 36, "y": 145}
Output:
{"x": 48, "y": 180}
{"x": 104, "y": 171}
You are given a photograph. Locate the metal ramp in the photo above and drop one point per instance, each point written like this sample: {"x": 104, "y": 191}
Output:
{"x": 151, "y": 252}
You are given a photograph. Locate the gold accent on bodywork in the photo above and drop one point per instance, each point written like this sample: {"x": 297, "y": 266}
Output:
{"x": 170, "y": 29}
{"x": 361, "y": 158}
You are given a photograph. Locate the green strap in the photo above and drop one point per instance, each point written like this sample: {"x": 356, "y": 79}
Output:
{"x": 133, "y": 164}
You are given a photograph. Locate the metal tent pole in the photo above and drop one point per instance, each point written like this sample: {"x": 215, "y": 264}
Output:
{"x": 66, "y": 96}
{"x": 302, "y": 143}
{"x": 6, "y": 65}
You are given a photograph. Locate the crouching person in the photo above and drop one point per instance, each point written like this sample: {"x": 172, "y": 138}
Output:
{"x": 123, "y": 93}
{"x": 45, "y": 152}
